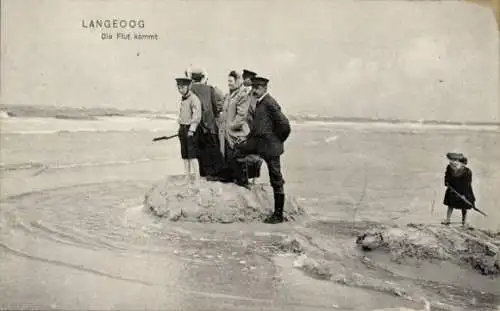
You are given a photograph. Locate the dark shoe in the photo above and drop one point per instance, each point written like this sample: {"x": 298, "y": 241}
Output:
{"x": 213, "y": 178}
{"x": 277, "y": 216}
{"x": 273, "y": 219}
{"x": 243, "y": 184}
{"x": 225, "y": 180}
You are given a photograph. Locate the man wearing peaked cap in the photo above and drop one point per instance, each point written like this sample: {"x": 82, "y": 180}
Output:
{"x": 248, "y": 74}
{"x": 269, "y": 130}
{"x": 259, "y": 81}
{"x": 247, "y": 79}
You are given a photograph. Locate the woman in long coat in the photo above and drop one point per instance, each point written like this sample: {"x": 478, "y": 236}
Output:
{"x": 233, "y": 127}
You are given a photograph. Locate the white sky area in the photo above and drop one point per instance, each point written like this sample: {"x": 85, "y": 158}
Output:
{"x": 387, "y": 59}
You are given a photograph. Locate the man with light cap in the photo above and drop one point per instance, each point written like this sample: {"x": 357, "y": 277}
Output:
{"x": 247, "y": 85}
{"x": 247, "y": 80}
{"x": 209, "y": 155}
{"x": 269, "y": 129}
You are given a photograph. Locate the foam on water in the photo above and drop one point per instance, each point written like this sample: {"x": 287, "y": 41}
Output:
{"x": 99, "y": 125}
{"x": 37, "y": 125}
{"x": 391, "y": 171}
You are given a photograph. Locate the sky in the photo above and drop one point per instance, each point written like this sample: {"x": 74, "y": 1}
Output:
{"x": 387, "y": 59}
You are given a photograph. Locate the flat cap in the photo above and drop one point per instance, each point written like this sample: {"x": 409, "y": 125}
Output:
{"x": 259, "y": 81}
{"x": 197, "y": 73}
{"x": 183, "y": 81}
{"x": 454, "y": 156}
{"x": 248, "y": 73}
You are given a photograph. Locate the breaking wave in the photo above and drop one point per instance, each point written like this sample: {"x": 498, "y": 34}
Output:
{"x": 40, "y": 126}
{"x": 103, "y": 120}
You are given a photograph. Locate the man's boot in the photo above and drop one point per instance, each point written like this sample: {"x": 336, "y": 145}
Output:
{"x": 277, "y": 216}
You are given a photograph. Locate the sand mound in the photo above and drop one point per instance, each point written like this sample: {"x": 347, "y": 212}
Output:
{"x": 215, "y": 202}
{"x": 478, "y": 249}
{"x": 316, "y": 263}
{"x": 314, "y": 255}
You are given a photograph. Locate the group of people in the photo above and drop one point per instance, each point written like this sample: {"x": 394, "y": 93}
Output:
{"x": 226, "y": 137}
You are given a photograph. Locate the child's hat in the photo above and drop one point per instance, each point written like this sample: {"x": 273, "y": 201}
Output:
{"x": 455, "y": 156}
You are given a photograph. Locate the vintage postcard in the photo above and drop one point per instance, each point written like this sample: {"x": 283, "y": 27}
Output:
{"x": 250, "y": 155}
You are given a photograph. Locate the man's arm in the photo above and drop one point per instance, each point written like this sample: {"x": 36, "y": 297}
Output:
{"x": 280, "y": 121}
{"x": 217, "y": 100}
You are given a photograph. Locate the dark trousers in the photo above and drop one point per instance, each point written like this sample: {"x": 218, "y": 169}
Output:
{"x": 273, "y": 164}
{"x": 232, "y": 169}
{"x": 235, "y": 169}
{"x": 188, "y": 143}
{"x": 209, "y": 155}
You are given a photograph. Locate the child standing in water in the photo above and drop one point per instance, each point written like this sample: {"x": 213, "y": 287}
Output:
{"x": 458, "y": 181}
{"x": 189, "y": 119}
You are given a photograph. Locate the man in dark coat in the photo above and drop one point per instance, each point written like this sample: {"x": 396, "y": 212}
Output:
{"x": 209, "y": 155}
{"x": 269, "y": 130}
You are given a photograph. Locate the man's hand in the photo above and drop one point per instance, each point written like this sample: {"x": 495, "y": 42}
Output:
{"x": 190, "y": 133}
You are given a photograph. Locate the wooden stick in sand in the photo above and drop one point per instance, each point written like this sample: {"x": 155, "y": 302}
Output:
{"x": 465, "y": 200}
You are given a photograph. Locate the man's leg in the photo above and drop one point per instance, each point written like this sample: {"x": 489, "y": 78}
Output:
{"x": 195, "y": 166}
{"x": 201, "y": 153}
{"x": 187, "y": 171}
{"x": 277, "y": 182}
{"x": 184, "y": 142}
{"x": 235, "y": 166}
{"x": 210, "y": 156}
{"x": 238, "y": 163}
{"x": 215, "y": 161}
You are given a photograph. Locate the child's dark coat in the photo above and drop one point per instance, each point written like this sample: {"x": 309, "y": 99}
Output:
{"x": 462, "y": 184}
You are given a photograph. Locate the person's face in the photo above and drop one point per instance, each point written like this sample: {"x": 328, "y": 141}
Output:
{"x": 247, "y": 81}
{"x": 259, "y": 90}
{"x": 232, "y": 83}
{"x": 456, "y": 164}
{"x": 183, "y": 89}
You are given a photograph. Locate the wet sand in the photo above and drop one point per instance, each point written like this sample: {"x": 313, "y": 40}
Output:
{"x": 78, "y": 238}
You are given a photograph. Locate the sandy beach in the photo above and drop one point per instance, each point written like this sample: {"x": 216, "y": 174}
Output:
{"x": 74, "y": 234}
{"x": 377, "y": 91}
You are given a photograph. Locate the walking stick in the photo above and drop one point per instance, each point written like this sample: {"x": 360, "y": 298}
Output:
{"x": 465, "y": 199}
{"x": 165, "y": 137}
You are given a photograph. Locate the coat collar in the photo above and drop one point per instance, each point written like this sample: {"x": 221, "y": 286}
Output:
{"x": 262, "y": 97}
